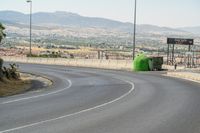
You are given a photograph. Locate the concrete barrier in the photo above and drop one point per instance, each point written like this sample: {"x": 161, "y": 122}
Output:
{"x": 93, "y": 63}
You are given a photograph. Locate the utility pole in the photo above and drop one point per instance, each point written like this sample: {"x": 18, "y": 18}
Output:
{"x": 29, "y": 1}
{"x": 134, "y": 33}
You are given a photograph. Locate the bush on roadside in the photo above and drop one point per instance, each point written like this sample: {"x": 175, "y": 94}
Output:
{"x": 1, "y": 70}
{"x": 14, "y": 72}
{"x": 10, "y": 72}
{"x": 49, "y": 55}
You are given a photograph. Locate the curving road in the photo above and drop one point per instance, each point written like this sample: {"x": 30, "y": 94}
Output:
{"x": 84, "y": 100}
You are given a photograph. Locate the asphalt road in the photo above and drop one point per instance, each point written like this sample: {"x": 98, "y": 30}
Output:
{"x": 84, "y": 100}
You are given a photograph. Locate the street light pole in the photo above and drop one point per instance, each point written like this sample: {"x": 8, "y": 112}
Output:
{"x": 134, "y": 33}
{"x": 29, "y": 1}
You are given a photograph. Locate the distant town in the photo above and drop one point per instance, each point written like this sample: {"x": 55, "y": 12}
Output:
{"x": 89, "y": 39}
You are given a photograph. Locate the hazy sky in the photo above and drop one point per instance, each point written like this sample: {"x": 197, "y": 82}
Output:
{"x": 171, "y": 13}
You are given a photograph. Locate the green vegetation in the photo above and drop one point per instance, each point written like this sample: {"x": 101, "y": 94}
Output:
{"x": 2, "y": 34}
{"x": 10, "y": 73}
{"x": 10, "y": 81}
{"x": 48, "y": 55}
{"x": 1, "y": 71}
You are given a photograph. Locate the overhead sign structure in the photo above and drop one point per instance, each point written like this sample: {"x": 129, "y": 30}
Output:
{"x": 180, "y": 41}
{"x": 172, "y": 42}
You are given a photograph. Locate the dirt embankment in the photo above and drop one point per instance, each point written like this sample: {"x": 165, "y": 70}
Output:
{"x": 25, "y": 83}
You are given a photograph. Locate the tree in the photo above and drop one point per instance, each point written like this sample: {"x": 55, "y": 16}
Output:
{"x": 2, "y": 34}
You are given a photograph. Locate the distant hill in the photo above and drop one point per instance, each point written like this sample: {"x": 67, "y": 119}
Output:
{"x": 68, "y": 19}
{"x": 13, "y": 17}
{"x": 194, "y": 30}
{"x": 62, "y": 19}
{"x": 152, "y": 29}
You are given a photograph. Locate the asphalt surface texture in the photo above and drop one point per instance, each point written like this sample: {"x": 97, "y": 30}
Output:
{"x": 85, "y": 100}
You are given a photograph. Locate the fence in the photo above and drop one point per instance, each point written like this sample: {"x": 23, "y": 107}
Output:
{"x": 93, "y": 63}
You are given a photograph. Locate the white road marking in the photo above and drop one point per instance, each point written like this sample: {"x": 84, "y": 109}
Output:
{"x": 42, "y": 95}
{"x": 82, "y": 111}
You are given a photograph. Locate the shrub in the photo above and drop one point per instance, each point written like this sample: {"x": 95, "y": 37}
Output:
{"x": 1, "y": 63}
{"x": 11, "y": 72}
{"x": 1, "y": 70}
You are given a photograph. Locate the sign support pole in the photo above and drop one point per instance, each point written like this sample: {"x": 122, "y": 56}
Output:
{"x": 173, "y": 55}
{"x": 168, "y": 54}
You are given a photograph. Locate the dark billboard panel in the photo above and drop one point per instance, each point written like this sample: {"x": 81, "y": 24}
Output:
{"x": 180, "y": 41}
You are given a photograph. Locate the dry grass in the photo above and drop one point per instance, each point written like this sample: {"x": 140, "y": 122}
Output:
{"x": 11, "y": 87}
{"x": 82, "y": 50}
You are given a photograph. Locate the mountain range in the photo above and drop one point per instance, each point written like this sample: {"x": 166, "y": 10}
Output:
{"x": 67, "y": 19}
